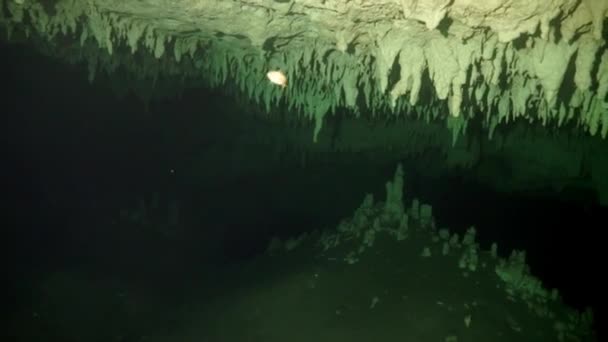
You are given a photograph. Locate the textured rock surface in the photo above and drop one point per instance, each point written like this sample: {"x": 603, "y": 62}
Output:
{"x": 504, "y": 58}
{"x": 454, "y": 61}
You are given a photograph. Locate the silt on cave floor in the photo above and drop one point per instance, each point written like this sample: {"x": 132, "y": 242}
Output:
{"x": 196, "y": 188}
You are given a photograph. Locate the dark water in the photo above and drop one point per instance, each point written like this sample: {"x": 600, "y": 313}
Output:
{"x": 73, "y": 161}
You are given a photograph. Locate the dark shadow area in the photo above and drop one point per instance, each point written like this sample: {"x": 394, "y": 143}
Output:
{"x": 96, "y": 185}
